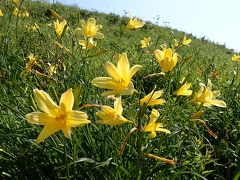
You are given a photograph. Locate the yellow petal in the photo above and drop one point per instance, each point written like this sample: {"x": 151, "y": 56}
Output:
{"x": 133, "y": 70}
{"x": 104, "y": 82}
{"x": 156, "y": 102}
{"x": 150, "y": 127}
{"x": 209, "y": 84}
{"x": 153, "y": 134}
{"x": 123, "y": 67}
{"x": 159, "y": 55}
{"x": 47, "y": 131}
{"x": 113, "y": 122}
{"x": 118, "y": 106}
{"x": 91, "y": 23}
{"x": 45, "y": 102}
{"x": 113, "y": 71}
{"x": 154, "y": 116}
{"x": 78, "y": 31}
{"x": 83, "y": 24}
{"x": 163, "y": 130}
{"x": 99, "y": 35}
{"x": 129, "y": 90}
{"x": 67, "y": 132}
{"x": 218, "y": 103}
{"x": 77, "y": 118}
{"x": 39, "y": 118}
{"x": 66, "y": 101}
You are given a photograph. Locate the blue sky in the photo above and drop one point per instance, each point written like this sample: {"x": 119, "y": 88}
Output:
{"x": 217, "y": 20}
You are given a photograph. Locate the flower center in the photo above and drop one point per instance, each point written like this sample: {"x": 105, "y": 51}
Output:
{"x": 61, "y": 119}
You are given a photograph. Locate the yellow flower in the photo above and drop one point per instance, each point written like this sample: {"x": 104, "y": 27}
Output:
{"x": 1, "y": 13}
{"x": 51, "y": 69}
{"x": 16, "y": 12}
{"x": 166, "y": 59}
{"x": 89, "y": 29}
{"x": 60, "y": 28}
{"x": 184, "y": 90}
{"x": 152, "y": 99}
{"x": 207, "y": 97}
{"x": 55, "y": 118}
{"x": 186, "y": 41}
{"x": 110, "y": 116}
{"x": 146, "y": 42}
{"x": 119, "y": 81}
{"x": 135, "y": 23}
{"x": 175, "y": 43}
{"x": 25, "y": 14}
{"x": 88, "y": 44}
{"x": 153, "y": 126}
{"x": 31, "y": 62}
{"x": 236, "y": 58}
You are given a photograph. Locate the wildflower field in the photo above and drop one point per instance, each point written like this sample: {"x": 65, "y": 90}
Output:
{"x": 87, "y": 95}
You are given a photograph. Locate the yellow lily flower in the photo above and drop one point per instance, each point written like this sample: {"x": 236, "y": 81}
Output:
{"x": 186, "y": 41}
{"x": 120, "y": 77}
{"x": 60, "y": 28}
{"x": 166, "y": 59}
{"x": 31, "y": 62}
{"x": 110, "y": 116}
{"x": 134, "y": 24}
{"x": 207, "y": 97}
{"x": 16, "y": 12}
{"x": 236, "y": 58}
{"x": 88, "y": 44}
{"x": 153, "y": 126}
{"x": 1, "y": 13}
{"x": 89, "y": 29}
{"x": 55, "y": 118}
{"x": 152, "y": 99}
{"x": 146, "y": 42}
{"x": 184, "y": 90}
{"x": 175, "y": 43}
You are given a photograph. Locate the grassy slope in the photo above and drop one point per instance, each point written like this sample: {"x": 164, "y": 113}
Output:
{"x": 198, "y": 154}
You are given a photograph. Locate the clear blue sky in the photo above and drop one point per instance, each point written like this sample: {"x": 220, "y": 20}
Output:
{"x": 217, "y": 20}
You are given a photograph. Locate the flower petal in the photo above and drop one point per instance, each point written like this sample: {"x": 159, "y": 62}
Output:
{"x": 156, "y": 102}
{"x": 66, "y": 101}
{"x": 118, "y": 106}
{"x": 123, "y": 67}
{"x": 78, "y": 31}
{"x": 91, "y": 23}
{"x": 67, "y": 132}
{"x": 218, "y": 103}
{"x": 129, "y": 90}
{"x": 39, "y": 118}
{"x": 154, "y": 116}
{"x": 113, "y": 71}
{"x": 45, "y": 102}
{"x": 133, "y": 70}
{"x": 104, "y": 82}
{"x": 77, "y": 118}
{"x": 47, "y": 131}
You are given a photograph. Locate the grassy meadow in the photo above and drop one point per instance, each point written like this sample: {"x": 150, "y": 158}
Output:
{"x": 181, "y": 120}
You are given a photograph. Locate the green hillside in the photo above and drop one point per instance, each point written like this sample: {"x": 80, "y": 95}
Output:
{"x": 204, "y": 138}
